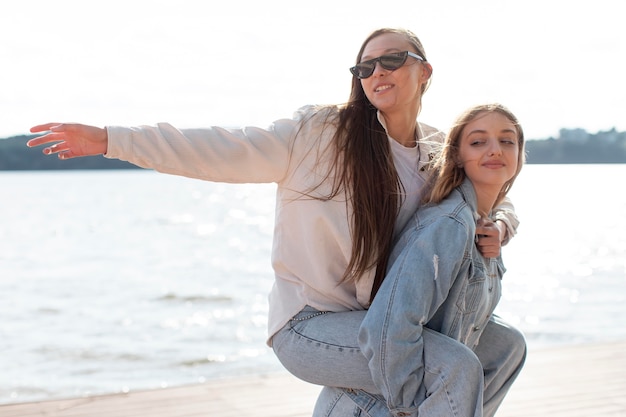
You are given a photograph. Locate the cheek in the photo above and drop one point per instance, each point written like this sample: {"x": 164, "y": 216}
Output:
{"x": 413, "y": 80}
{"x": 408, "y": 79}
{"x": 468, "y": 155}
{"x": 514, "y": 159}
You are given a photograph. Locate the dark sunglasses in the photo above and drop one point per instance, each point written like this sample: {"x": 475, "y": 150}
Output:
{"x": 389, "y": 62}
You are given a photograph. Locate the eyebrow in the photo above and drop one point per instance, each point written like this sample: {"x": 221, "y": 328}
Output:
{"x": 484, "y": 131}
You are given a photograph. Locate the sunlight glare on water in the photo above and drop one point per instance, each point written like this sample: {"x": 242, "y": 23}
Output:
{"x": 127, "y": 280}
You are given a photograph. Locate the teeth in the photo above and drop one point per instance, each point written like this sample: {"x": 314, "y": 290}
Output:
{"x": 382, "y": 87}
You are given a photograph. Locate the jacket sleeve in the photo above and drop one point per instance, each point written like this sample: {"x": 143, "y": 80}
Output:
{"x": 417, "y": 284}
{"x": 505, "y": 212}
{"x": 243, "y": 155}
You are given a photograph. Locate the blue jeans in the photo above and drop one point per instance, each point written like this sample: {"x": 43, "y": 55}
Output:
{"x": 502, "y": 353}
{"x": 322, "y": 348}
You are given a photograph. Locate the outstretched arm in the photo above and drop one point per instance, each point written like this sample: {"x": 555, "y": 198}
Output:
{"x": 70, "y": 140}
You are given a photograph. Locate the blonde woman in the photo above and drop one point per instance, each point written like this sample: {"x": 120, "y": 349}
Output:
{"x": 438, "y": 280}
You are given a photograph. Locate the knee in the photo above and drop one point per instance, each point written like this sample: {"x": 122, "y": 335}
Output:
{"x": 502, "y": 346}
{"x": 333, "y": 402}
{"x": 515, "y": 343}
{"x": 467, "y": 363}
{"x": 460, "y": 362}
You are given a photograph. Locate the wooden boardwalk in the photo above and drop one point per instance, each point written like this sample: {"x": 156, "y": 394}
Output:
{"x": 573, "y": 381}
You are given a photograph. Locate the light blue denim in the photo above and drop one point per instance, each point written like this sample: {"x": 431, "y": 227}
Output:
{"x": 322, "y": 348}
{"x": 439, "y": 280}
{"x": 502, "y": 352}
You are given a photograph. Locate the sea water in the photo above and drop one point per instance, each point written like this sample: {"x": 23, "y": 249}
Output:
{"x": 114, "y": 281}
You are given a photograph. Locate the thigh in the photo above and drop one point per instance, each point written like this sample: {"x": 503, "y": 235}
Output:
{"x": 452, "y": 385}
{"x": 323, "y": 349}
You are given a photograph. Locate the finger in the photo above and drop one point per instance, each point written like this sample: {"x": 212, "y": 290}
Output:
{"x": 56, "y": 148}
{"x": 487, "y": 238}
{"x": 67, "y": 154}
{"x": 45, "y": 139}
{"x": 484, "y": 221}
{"x": 487, "y": 245}
{"x": 490, "y": 230}
{"x": 488, "y": 248}
{"x": 43, "y": 128}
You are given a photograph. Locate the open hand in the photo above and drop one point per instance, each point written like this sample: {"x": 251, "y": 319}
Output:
{"x": 70, "y": 140}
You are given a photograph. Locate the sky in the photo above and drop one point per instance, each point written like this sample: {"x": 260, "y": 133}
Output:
{"x": 555, "y": 63}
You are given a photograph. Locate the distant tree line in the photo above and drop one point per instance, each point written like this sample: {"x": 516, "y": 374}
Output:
{"x": 576, "y": 146}
{"x": 573, "y": 146}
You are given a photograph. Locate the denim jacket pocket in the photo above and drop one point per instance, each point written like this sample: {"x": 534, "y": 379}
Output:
{"x": 471, "y": 295}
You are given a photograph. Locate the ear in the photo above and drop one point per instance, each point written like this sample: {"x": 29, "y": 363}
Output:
{"x": 427, "y": 71}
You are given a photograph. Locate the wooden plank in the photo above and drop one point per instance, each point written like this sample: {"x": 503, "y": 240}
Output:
{"x": 584, "y": 380}
{"x": 572, "y": 381}
{"x": 278, "y": 395}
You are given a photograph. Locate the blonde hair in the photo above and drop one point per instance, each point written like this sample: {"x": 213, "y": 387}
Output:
{"x": 448, "y": 173}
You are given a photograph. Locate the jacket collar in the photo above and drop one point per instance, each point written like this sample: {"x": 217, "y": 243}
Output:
{"x": 469, "y": 195}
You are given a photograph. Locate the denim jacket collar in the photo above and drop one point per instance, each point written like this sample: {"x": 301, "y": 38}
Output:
{"x": 469, "y": 195}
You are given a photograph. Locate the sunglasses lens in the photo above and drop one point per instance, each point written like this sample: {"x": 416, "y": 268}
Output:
{"x": 363, "y": 70}
{"x": 392, "y": 61}
{"x": 389, "y": 62}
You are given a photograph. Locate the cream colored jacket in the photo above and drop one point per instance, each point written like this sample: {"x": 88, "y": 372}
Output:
{"x": 312, "y": 241}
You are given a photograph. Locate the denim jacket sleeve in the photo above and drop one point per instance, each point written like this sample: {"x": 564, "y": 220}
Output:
{"x": 418, "y": 282}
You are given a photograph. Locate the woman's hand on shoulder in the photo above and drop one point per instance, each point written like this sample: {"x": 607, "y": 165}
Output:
{"x": 489, "y": 238}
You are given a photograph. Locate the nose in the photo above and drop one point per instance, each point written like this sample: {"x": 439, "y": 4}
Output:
{"x": 378, "y": 69}
{"x": 495, "y": 149}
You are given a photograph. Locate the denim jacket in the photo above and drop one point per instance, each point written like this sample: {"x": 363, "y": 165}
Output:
{"x": 437, "y": 279}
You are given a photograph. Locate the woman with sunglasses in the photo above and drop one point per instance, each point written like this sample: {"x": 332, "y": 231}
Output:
{"x": 348, "y": 179}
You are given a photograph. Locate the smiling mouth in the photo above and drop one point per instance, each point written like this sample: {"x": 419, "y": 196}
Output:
{"x": 382, "y": 88}
{"x": 494, "y": 165}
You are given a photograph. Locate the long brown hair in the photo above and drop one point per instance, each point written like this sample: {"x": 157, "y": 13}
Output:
{"x": 448, "y": 174}
{"x": 364, "y": 169}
